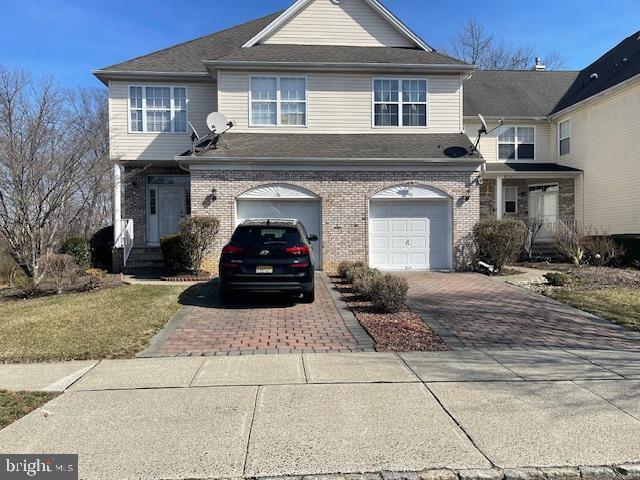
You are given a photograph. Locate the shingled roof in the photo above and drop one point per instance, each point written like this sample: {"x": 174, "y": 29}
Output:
{"x": 429, "y": 147}
{"x": 269, "y": 53}
{"x": 188, "y": 56}
{"x": 616, "y": 66}
{"x": 515, "y": 93}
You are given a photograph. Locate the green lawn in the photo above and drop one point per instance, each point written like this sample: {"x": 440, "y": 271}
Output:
{"x": 109, "y": 323}
{"x": 14, "y": 405}
{"x": 621, "y": 305}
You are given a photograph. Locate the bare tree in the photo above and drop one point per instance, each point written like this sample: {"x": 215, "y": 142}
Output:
{"x": 90, "y": 109}
{"x": 474, "y": 45}
{"x": 45, "y": 161}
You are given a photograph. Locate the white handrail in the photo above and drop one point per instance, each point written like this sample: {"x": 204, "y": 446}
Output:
{"x": 125, "y": 240}
{"x": 127, "y": 230}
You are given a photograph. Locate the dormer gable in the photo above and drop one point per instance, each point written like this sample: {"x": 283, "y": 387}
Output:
{"x": 363, "y": 23}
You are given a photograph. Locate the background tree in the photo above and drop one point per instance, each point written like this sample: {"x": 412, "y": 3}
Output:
{"x": 52, "y": 166}
{"x": 474, "y": 45}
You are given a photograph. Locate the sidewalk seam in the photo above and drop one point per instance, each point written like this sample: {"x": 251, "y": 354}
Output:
{"x": 605, "y": 399}
{"x": 195, "y": 375}
{"x": 253, "y": 417}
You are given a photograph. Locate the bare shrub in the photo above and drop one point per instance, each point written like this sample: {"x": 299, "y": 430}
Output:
{"x": 343, "y": 268}
{"x": 364, "y": 281}
{"x": 62, "y": 269}
{"x": 602, "y": 250}
{"x": 534, "y": 226}
{"x": 354, "y": 270}
{"x": 499, "y": 242}
{"x": 197, "y": 237}
{"x": 389, "y": 293}
{"x": 569, "y": 240}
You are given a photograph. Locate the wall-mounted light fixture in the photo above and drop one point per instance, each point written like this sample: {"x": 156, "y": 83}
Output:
{"x": 214, "y": 194}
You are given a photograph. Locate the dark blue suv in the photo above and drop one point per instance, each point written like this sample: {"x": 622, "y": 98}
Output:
{"x": 268, "y": 255}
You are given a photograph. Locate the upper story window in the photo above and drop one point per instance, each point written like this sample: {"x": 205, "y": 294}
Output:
{"x": 157, "y": 109}
{"x": 516, "y": 143}
{"x": 278, "y": 101}
{"x": 564, "y": 137}
{"x": 399, "y": 102}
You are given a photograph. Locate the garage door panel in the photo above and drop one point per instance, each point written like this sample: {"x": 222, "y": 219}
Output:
{"x": 380, "y": 226}
{"x": 417, "y": 234}
{"x": 398, "y": 242}
{"x": 380, "y": 243}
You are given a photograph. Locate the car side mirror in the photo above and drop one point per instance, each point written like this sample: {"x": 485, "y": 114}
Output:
{"x": 313, "y": 238}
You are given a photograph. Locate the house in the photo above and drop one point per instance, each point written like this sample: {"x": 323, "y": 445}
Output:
{"x": 346, "y": 119}
{"x": 583, "y": 163}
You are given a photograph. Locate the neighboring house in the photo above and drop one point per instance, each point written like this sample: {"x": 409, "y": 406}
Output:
{"x": 585, "y": 126}
{"x": 347, "y": 120}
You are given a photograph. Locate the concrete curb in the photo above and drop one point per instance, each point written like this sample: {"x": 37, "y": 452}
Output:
{"x": 600, "y": 472}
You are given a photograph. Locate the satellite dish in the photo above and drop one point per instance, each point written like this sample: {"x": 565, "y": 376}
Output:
{"x": 218, "y": 123}
{"x": 484, "y": 128}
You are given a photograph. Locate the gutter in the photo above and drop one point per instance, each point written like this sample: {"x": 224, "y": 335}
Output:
{"x": 105, "y": 75}
{"x": 507, "y": 118}
{"x": 332, "y": 161}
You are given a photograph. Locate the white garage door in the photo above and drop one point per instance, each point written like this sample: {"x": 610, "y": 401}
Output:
{"x": 307, "y": 211}
{"x": 409, "y": 234}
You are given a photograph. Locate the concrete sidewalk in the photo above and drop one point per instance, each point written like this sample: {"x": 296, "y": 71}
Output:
{"x": 473, "y": 413}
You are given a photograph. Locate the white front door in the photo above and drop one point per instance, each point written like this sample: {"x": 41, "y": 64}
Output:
{"x": 543, "y": 204}
{"x": 171, "y": 209}
{"x": 307, "y": 211}
{"x": 409, "y": 234}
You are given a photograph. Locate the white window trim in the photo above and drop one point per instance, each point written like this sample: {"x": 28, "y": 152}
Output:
{"x": 524, "y": 160}
{"x": 564, "y": 138}
{"x": 504, "y": 199}
{"x": 279, "y": 101}
{"x": 144, "y": 108}
{"x": 400, "y": 104}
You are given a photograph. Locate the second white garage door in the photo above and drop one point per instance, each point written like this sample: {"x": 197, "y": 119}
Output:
{"x": 410, "y": 234}
{"x": 307, "y": 211}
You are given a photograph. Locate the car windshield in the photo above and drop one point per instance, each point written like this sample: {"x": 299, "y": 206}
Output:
{"x": 267, "y": 236}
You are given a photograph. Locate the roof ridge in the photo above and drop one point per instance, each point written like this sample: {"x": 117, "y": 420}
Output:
{"x": 202, "y": 37}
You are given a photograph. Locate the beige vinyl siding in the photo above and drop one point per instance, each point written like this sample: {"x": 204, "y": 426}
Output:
{"x": 605, "y": 144}
{"x": 201, "y": 100}
{"x": 342, "y": 103}
{"x": 354, "y": 22}
{"x": 545, "y": 140}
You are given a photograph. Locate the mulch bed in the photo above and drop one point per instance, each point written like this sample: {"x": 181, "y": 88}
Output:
{"x": 393, "y": 332}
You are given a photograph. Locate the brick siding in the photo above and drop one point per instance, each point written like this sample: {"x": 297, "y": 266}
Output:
{"x": 344, "y": 196}
{"x": 566, "y": 197}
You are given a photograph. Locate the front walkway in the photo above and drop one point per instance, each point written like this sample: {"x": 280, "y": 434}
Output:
{"x": 472, "y": 310}
{"x": 284, "y": 415}
{"x": 259, "y": 324}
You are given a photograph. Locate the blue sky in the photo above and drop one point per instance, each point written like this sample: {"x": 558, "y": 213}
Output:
{"x": 70, "y": 38}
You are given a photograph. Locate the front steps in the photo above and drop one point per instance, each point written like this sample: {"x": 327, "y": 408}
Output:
{"x": 145, "y": 260}
{"x": 545, "y": 251}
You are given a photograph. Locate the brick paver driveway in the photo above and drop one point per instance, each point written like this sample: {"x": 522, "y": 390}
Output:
{"x": 479, "y": 312}
{"x": 260, "y": 324}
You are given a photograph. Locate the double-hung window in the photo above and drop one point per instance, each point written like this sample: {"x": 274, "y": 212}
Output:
{"x": 516, "y": 143}
{"x": 510, "y": 195}
{"x": 278, "y": 101}
{"x": 157, "y": 109}
{"x": 399, "y": 102}
{"x": 564, "y": 137}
